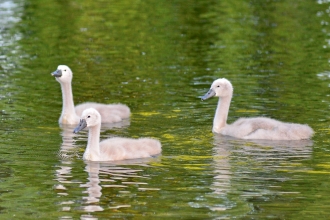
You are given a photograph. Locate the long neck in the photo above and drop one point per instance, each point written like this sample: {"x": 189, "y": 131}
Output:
{"x": 93, "y": 145}
{"x": 68, "y": 115}
{"x": 221, "y": 114}
{"x": 68, "y": 105}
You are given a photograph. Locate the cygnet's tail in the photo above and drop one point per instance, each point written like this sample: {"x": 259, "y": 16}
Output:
{"x": 152, "y": 146}
{"x": 300, "y": 132}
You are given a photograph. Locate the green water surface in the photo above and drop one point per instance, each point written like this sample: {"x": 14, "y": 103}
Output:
{"x": 159, "y": 58}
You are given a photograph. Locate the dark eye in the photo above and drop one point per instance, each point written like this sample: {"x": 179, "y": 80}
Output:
{"x": 88, "y": 116}
{"x": 65, "y": 70}
{"x": 218, "y": 86}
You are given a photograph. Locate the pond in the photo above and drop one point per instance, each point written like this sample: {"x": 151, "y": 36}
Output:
{"x": 159, "y": 58}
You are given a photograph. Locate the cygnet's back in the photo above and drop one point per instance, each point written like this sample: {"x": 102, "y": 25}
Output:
{"x": 268, "y": 129}
{"x": 128, "y": 148}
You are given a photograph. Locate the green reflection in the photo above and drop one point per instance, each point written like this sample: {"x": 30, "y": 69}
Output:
{"x": 158, "y": 58}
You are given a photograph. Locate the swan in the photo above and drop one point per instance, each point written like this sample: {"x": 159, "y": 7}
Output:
{"x": 250, "y": 128}
{"x": 113, "y": 149}
{"x": 111, "y": 113}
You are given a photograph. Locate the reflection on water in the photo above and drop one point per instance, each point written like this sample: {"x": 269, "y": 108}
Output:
{"x": 93, "y": 189}
{"x": 100, "y": 176}
{"x": 266, "y": 148}
{"x": 113, "y": 175}
{"x": 157, "y": 57}
{"x": 251, "y": 167}
{"x": 9, "y": 16}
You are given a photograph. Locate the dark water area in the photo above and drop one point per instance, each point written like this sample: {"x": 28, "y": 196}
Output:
{"x": 159, "y": 58}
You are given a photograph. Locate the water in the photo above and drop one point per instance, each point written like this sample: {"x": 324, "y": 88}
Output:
{"x": 159, "y": 58}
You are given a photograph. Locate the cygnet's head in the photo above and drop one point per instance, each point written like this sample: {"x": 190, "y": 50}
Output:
{"x": 220, "y": 88}
{"x": 63, "y": 74}
{"x": 89, "y": 118}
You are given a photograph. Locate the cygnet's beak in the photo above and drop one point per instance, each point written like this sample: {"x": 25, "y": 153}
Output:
{"x": 82, "y": 125}
{"x": 57, "y": 73}
{"x": 208, "y": 95}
